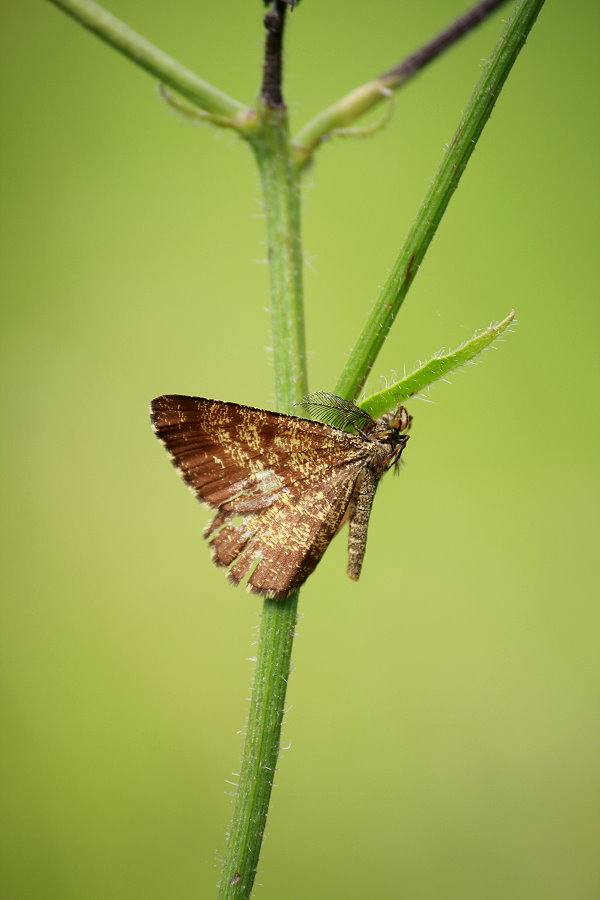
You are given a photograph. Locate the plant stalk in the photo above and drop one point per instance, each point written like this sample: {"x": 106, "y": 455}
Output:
{"x": 261, "y": 749}
{"x": 281, "y": 193}
{"x": 136, "y": 48}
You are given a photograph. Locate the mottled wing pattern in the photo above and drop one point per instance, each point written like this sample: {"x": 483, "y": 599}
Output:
{"x": 290, "y": 480}
{"x": 281, "y": 546}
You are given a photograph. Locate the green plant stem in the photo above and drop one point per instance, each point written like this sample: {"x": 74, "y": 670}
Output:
{"x": 365, "y": 97}
{"x": 160, "y": 64}
{"x": 436, "y": 201}
{"x": 281, "y": 193}
{"x": 261, "y": 748}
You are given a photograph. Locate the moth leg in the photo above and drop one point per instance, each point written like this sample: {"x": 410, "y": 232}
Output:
{"x": 360, "y": 511}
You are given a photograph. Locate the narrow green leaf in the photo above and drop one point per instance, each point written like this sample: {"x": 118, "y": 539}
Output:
{"x": 433, "y": 370}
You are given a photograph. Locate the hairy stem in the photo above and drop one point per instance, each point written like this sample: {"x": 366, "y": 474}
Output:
{"x": 436, "y": 201}
{"x": 281, "y": 194}
{"x": 136, "y": 48}
{"x": 261, "y": 748}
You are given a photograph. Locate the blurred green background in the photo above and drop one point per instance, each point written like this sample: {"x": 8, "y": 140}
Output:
{"x": 443, "y": 723}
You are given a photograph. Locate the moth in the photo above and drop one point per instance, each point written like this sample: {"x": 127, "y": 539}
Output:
{"x": 282, "y": 485}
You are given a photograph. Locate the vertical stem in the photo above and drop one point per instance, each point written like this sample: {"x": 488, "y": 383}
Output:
{"x": 281, "y": 192}
{"x": 261, "y": 748}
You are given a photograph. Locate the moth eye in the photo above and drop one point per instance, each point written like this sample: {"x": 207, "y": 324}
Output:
{"x": 399, "y": 421}
{"x": 404, "y": 419}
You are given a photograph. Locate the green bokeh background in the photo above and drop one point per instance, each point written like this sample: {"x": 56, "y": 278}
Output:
{"x": 443, "y": 723}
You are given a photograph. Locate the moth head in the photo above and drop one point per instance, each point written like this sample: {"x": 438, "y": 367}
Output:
{"x": 391, "y": 426}
{"x": 401, "y": 420}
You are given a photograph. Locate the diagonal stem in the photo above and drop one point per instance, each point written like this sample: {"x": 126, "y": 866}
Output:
{"x": 368, "y": 95}
{"x": 444, "y": 184}
{"x": 154, "y": 60}
{"x": 453, "y": 32}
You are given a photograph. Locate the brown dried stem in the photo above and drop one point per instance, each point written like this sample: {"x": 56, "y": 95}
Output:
{"x": 457, "y": 29}
{"x": 274, "y": 21}
{"x": 363, "y": 98}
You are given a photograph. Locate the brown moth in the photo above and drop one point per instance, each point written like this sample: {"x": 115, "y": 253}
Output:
{"x": 283, "y": 486}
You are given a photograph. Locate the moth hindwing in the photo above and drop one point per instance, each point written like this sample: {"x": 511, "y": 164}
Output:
{"x": 282, "y": 485}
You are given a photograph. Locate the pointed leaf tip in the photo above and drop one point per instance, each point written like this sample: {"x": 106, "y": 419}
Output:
{"x": 434, "y": 370}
